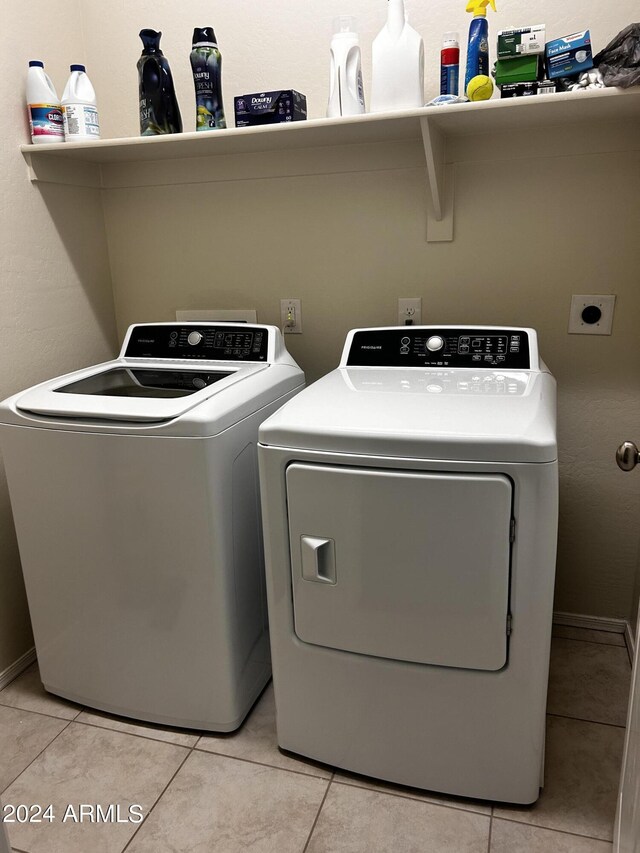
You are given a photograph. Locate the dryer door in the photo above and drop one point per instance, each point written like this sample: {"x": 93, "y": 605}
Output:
{"x": 405, "y": 565}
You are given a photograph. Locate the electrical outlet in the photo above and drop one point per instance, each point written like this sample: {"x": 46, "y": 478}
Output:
{"x": 410, "y": 312}
{"x": 591, "y": 314}
{"x": 291, "y": 316}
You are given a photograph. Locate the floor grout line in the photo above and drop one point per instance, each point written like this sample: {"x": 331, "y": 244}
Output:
{"x": 622, "y": 645}
{"x": 490, "y": 830}
{"x": 554, "y": 829}
{"x": 265, "y": 764}
{"x": 418, "y": 799}
{"x": 315, "y": 822}
{"x": 42, "y": 713}
{"x": 585, "y": 720}
{"x": 158, "y": 798}
{"x": 36, "y": 757}
{"x": 133, "y": 734}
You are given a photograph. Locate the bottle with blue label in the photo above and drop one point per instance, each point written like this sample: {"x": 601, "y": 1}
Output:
{"x": 43, "y": 106}
{"x": 159, "y": 111}
{"x": 206, "y": 64}
{"x": 79, "y": 107}
{"x": 478, "y": 47}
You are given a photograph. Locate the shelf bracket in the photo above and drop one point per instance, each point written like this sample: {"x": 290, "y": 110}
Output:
{"x": 441, "y": 183}
{"x": 62, "y": 170}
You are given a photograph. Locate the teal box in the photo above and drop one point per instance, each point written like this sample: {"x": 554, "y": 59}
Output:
{"x": 569, "y": 56}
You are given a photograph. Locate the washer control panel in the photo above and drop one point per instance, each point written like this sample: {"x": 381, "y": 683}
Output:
{"x": 506, "y": 349}
{"x": 199, "y": 342}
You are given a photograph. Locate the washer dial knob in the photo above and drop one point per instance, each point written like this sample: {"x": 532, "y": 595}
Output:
{"x": 435, "y": 343}
{"x": 194, "y": 338}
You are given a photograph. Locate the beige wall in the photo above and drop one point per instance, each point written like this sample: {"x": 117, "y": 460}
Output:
{"x": 348, "y": 245}
{"x": 56, "y": 307}
{"x": 285, "y": 43}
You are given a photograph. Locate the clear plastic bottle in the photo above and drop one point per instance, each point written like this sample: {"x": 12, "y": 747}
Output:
{"x": 43, "y": 106}
{"x": 346, "y": 93}
{"x": 206, "y": 65}
{"x": 79, "y": 107}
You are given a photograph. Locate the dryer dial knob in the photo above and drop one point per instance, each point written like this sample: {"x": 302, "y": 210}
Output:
{"x": 195, "y": 338}
{"x": 435, "y": 343}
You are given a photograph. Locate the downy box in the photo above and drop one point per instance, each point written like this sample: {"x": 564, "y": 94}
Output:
{"x": 569, "y": 56}
{"x": 269, "y": 107}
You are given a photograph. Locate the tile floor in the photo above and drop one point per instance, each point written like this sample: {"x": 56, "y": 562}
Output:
{"x": 208, "y": 794}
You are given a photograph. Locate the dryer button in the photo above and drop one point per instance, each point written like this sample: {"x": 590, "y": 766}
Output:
{"x": 194, "y": 338}
{"x": 435, "y": 343}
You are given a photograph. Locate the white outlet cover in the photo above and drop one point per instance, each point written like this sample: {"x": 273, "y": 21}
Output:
{"x": 410, "y": 309}
{"x": 606, "y": 304}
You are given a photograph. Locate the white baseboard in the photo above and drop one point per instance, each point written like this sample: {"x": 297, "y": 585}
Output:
{"x": 594, "y": 623}
{"x": 630, "y": 640}
{"x": 599, "y": 623}
{"x": 13, "y": 671}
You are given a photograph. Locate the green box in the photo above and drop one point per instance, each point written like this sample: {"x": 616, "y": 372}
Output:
{"x": 523, "y": 41}
{"x": 520, "y": 69}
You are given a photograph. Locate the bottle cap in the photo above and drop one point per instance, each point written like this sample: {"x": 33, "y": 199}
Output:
{"x": 450, "y": 40}
{"x": 344, "y": 24}
{"x": 35, "y": 63}
{"x": 204, "y": 35}
{"x": 151, "y": 41}
{"x": 77, "y": 68}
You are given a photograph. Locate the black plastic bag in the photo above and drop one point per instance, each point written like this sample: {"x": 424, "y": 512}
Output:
{"x": 619, "y": 62}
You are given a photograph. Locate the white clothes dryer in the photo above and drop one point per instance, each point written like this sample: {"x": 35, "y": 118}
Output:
{"x": 134, "y": 490}
{"x": 410, "y": 502}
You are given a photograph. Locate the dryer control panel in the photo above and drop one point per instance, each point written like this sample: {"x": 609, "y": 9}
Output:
{"x": 431, "y": 346}
{"x": 198, "y": 341}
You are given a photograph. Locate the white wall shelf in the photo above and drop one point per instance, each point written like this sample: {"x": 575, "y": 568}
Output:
{"x": 438, "y": 137}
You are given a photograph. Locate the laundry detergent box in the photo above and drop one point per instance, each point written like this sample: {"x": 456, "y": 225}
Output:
{"x": 569, "y": 55}
{"x": 522, "y": 41}
{"x": 270, "y": 107}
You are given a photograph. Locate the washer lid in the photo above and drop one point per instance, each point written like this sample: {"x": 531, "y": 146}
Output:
{"x": 483, "y": 415}
{"x": 123, "y": 390}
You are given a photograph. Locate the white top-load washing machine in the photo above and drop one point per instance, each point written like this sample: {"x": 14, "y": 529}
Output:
{"x": 135, "y": 496}
{"x": 410, "y": 503}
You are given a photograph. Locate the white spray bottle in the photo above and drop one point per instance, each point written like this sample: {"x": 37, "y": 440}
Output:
{"x": 397, "y": 81}
{"x": 346, "y": 93}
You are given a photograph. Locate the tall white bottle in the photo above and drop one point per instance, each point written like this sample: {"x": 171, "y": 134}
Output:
{"x": 346, "y": 93}
{"x": 43, "y": 106}
{"x": 79, "y": 107}
{"x": 397, "y": 81}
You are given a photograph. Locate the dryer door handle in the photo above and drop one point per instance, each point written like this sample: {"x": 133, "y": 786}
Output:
{"x": 318, "y": 559}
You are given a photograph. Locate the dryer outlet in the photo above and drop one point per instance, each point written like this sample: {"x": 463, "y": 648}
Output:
{"x": 591, "y": 314}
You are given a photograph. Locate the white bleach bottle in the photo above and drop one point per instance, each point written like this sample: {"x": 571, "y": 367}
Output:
{"x": 346, "y": 93}
{"x": 43, "y": 106}
{"x": 79, "y": 108}
{"x": 397, "y": 81}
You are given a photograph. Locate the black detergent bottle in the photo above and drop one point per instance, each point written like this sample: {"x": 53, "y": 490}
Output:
{"x": 159, "y": 111}
{"x": 206, "y": 64}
